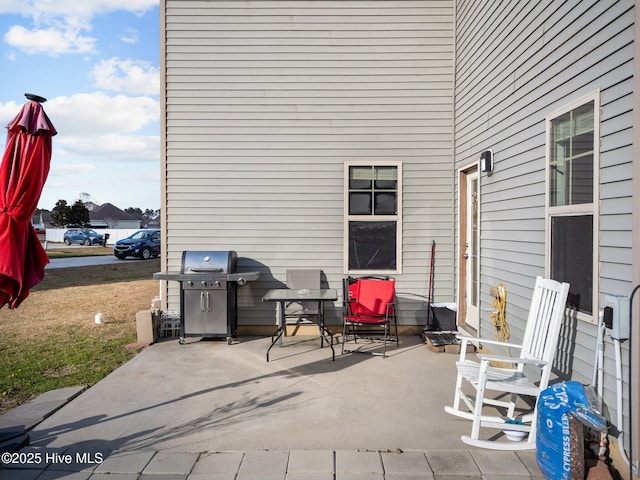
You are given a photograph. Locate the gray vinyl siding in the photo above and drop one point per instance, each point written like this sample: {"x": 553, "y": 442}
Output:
{"x": 266, "y": 101}
{"x": 516, "y": 63}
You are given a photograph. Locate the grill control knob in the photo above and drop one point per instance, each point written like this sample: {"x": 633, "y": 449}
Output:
{"x": 217, "y": 283}
{"x": 204, "y": 284}
{"x": 190, "y": 283}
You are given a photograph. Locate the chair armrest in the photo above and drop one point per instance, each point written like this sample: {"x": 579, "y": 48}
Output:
{"x": 467, "y": 338}
{"x": 505, "y": 359}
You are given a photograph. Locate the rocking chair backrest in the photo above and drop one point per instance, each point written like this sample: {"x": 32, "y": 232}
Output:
{"x": 545, "y": 319}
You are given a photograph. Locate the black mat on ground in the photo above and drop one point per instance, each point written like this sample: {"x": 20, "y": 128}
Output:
{"x": 439, "y": 339}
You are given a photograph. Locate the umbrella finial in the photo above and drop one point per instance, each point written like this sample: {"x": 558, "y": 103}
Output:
{"x": 35, "y": 98}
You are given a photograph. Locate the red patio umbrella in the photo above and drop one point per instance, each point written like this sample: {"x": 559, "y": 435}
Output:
{"x": 23, "y": 172}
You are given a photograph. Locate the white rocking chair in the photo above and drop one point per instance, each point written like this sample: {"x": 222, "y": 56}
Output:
{"x": 537, "y": 351}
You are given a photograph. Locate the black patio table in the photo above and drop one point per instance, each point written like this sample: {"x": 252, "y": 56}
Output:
{"x": 283, "y": 295}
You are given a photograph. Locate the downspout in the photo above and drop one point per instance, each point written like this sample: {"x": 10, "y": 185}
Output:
{"x": 162, "y": 284}
{"x": 634, "y": 345}
{"x": 455, "y": 234}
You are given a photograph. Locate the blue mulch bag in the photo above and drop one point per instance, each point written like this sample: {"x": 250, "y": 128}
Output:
{"x": 564, "y": 408}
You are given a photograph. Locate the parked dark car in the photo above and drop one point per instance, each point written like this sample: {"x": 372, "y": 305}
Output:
{"x": 83, "y": 236}
{"x": 143, "y": 244}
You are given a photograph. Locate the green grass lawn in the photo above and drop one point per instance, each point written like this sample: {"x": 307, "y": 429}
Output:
{"x": 51, "y": 340}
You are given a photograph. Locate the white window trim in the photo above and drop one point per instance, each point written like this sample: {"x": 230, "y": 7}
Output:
{"x": 397, "y": 218}
{"x": 579, "y": 209}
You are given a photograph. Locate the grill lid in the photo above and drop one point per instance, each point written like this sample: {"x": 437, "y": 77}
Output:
{"x": 199, "y": 261}
{"x": 209, "y": 266}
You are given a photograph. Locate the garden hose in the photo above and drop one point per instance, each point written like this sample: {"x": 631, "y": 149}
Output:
{"x": 498, "y": 313}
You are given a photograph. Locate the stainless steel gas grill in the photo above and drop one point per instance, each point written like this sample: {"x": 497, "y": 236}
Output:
{"x": 208, "y": 293}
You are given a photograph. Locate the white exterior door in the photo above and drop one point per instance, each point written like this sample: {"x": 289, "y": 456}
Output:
{"x": 468, "y": 233}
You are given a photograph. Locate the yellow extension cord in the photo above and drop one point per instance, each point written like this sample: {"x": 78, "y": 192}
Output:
{"x": 498, "y": 314}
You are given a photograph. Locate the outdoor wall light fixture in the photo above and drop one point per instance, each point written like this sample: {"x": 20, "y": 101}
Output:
{"x": 486, "y": 162}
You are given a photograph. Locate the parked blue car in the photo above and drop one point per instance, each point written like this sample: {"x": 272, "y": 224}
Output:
{"x": 143, "y": 244}
{"x": 83, "y": 236}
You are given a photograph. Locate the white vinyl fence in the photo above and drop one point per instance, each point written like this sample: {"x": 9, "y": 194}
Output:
{"x": 55, "y": 235}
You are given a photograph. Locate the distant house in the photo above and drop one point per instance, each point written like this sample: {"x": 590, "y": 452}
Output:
{"x": 108, "y": 215}
{"x": 41, "y": 220}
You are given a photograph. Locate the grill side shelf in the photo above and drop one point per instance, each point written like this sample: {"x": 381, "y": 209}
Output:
{"x": 243, "y": 276}
{"x": 168, "y": 276}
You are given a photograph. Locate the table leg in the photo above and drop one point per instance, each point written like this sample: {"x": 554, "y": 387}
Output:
{"x": 277, "y": 337}
{"x": 324, "y": 332}
{"x": 278, "y": 333}
{"x": 321, "y": 322}
{"x": 283, "y": 325}
{"x": 324, "y": 329}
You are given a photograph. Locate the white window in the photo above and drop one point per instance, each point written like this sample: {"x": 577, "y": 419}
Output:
{"x": 572, "y": 201}
{"x": 373, "y": 206}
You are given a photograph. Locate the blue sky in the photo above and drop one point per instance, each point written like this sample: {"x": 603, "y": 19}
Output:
{"x": 97, "y": 64}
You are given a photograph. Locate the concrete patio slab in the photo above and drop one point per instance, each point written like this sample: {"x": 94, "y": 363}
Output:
{"x": 216, "y": 411}
{"x": 451, "y": 463}
{"x": 357, "y": 461}
{"x": 210, "y": 396}
{"x": 22, "y": 419}
{"x": 271, "y": 462}
{"x": 405, "y": 463}
{"x": 125, "y": 462}
{"x": 500, "y": 463}
{"x": 171, "y": 463}
{"x": 311, "y": 461}
{"x": 221, "y": 463}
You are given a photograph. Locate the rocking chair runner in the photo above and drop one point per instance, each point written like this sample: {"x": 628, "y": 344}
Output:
{"x": 537, "y": 351}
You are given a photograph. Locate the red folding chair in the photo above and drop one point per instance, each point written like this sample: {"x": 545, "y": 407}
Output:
{"x": 369, "y": 307}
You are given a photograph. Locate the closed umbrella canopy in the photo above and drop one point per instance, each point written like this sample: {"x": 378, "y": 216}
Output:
{"x": 23, "y": 172}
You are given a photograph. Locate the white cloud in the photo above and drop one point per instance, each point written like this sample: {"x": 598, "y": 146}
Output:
{"x": 43, "y": 9}
{"x": 100, "y": 114}
{"x": 8, "y": 111}
{"x": 60, "y": 26}
{"x": 100, "y": 127}
{"x": 50, "y": 41}
{"x": 130, "y": 36}
{"x": 135, "y": 77}
{"x": 114, "y": 148}
{"x": 71, "y": 168}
